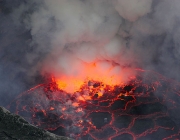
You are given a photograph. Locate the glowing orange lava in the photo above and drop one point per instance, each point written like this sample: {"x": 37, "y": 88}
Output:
{"x": 69, "y": 84}
{"x": 107, "y": 74}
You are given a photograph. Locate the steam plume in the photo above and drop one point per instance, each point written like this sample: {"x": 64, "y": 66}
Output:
{"x": 77, "y": 33}
{"x": 61, "y": 37}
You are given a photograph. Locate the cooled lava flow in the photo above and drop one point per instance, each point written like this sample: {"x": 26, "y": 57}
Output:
{"x": 145, "y": 108}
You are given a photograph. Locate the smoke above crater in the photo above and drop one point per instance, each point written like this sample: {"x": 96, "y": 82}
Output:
{"x": 64, "y": 38}
{"x": 77, "y": 34}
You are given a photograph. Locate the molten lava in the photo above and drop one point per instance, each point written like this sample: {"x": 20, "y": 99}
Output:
{"x": 144, "y": 108}
{"x": 68, "y": 84}
{"x": 101, "y": 72}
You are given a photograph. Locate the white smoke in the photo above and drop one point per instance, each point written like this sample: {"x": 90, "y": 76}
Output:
{"x": 133, "y": 9}
{"x": 66, "y": 35}
{"x": 75, "y": 33}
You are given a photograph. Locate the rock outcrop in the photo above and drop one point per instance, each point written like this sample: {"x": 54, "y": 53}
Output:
{"x": 14, "y": 127}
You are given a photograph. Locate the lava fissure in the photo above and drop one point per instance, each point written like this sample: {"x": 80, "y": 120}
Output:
{"x": 140, "y": 109}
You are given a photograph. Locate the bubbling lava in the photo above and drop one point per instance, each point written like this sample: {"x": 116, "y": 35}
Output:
{"x": 104, "y": 73}
{"x": 144, "y": 108}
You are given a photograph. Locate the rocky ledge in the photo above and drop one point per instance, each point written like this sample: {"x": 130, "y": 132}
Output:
{"x": 14, "y": 127}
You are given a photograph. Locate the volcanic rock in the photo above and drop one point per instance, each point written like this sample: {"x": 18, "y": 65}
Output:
{"x": 14, "y": 127}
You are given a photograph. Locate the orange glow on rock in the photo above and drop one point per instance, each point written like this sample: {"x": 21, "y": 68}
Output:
{"x": 75, "y": 104}
{"x": 51, "y": 108}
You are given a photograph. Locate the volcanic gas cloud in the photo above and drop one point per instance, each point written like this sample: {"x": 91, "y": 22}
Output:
{"x": 84, "y": 40}
{"x": 99, "y": 40}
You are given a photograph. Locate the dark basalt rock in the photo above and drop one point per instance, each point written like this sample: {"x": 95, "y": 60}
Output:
{"x": 14, "y": 127}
